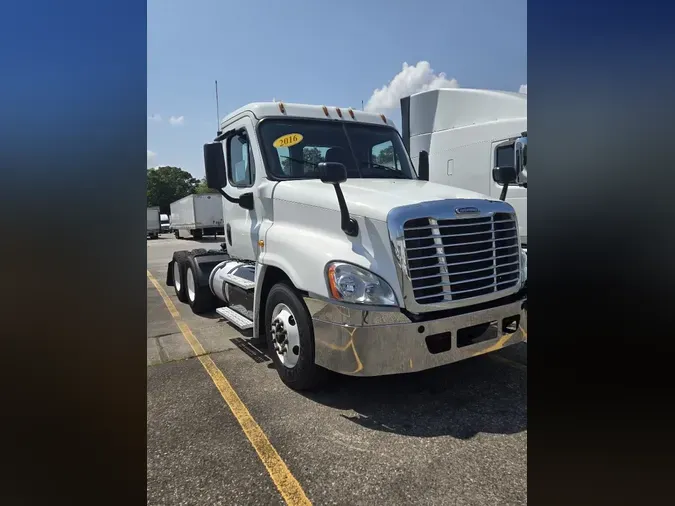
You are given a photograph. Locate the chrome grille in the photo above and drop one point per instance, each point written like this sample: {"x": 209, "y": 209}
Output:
{"x": 461, "y": 258}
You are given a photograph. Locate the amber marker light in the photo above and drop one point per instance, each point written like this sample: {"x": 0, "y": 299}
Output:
{"x": 331, "y": 282}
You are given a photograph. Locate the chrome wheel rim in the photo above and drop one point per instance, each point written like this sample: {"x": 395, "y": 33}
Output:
{"x": 285, "y": 335}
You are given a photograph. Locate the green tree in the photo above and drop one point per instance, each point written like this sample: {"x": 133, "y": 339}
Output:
{"x": 168, "y": 184}
{"x": 203, "y": 188}
{"x": 386, "y": 156}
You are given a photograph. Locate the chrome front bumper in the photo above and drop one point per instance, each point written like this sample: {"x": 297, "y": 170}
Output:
{"x": 362, "y": 343}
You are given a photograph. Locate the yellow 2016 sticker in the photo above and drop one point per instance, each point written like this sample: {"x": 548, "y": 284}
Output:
{"x": 288, "y": 140}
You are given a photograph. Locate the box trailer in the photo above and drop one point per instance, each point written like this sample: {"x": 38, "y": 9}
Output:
{"x": 468, "y": 134}
{"x": 153, "y": 222}
{"x": 197, "y": 215}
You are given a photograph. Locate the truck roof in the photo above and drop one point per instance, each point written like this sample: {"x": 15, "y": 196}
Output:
{"x": 282, "y": 109}
{"x": 449, "y": 108}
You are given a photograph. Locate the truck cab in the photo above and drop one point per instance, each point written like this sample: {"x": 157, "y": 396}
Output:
{"x": 341, "y": 258}
{"x": 165, "y": 223}
{"x": 469, "y": 133}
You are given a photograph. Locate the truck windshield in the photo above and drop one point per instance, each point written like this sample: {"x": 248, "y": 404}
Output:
{"x": 294, "y": 147}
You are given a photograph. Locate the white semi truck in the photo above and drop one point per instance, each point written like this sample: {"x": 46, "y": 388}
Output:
{"x": 341, "y": 258}
{"x": 165, "y": 223}
{"x": 153, "y": 225}
{"x": 469, "y": 134}
{"x": 197, "y": 215}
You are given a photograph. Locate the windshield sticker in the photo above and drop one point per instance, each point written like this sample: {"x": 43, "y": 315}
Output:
{"x": 287, "y": 140}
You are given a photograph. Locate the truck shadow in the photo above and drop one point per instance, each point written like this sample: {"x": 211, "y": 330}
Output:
{"x": 484, "y": 394}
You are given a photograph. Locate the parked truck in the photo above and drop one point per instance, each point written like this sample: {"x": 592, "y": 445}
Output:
{"x": 469, "y": 134}
{"x": 343, "y": 262}
{"x": 197, "y": 215}
{"x": 165, "y": 223}
{"x": 153, "y": 222}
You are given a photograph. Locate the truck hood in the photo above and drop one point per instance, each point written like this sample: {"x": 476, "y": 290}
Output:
{"x": 372, "y": 198}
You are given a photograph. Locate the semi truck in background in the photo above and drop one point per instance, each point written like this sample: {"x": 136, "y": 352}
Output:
{"x": 153, "y": 222}
{"x": 165, "y": 223}
{"x": 469, "y": 134}
{"x": 197, "y": 215}
{"x": 344, "y": 262}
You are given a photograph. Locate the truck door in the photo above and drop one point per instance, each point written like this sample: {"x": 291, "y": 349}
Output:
{"x": 241, "y": 225}
{"x": 502, "y": 155}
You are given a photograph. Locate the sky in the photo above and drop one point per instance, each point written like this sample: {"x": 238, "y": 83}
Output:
{"x": 338, "y": 54}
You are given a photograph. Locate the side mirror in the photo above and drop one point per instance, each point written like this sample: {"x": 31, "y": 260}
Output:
{"x": 214, "y": 166}
{"x": 423, "y": 166}
{"x": 335, "y": 173}
{"x": 520, "y": 158}
{"x": 504, "y": 175}
{"x": 332, "y": 172}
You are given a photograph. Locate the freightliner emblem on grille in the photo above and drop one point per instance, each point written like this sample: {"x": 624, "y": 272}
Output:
{"x": 466, "y": 210}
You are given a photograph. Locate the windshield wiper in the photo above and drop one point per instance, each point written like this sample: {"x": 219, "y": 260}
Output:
{"x": 399, "y": 173}
{"x": 297, "y": 160}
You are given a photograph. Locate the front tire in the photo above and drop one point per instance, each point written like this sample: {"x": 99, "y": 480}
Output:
{"x": 290, "y": 338}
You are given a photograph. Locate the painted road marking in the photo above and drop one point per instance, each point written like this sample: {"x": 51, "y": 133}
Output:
{"x": 288, "y": 486}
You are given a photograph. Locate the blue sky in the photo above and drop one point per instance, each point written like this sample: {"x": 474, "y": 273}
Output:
{"x": 306, "y": 51}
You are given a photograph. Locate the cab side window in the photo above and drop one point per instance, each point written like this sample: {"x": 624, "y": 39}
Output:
{"x": 240, "y": 162}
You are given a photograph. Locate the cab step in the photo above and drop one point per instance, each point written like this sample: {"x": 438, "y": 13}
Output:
{"x": 237, "y": 319}
{"x": 242, "y": 283}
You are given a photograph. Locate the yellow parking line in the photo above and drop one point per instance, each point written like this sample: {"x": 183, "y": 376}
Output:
{"x": 286, "y": 483}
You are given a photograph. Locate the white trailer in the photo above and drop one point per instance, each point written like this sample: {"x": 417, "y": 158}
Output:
{"x": 468, "y": 135}
{"x": 197, "y": 215}
{"x": 341, "y": 258}
{"x": 153, "y": 222}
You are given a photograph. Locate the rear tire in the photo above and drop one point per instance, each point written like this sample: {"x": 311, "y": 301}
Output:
{"x": 179, "y": 265}
{"x": 176, "y": 234}
{"x": 285, "y": 307}
{"x": 200, "y": 298}
{"x": 197, "y": 234}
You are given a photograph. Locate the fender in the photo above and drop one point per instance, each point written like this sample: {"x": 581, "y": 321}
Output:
{"x": 204, "y": 265}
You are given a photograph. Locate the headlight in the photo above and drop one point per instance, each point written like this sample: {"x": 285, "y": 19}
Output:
{"x": 350, "y": 283}
{"x": 523, "y": 266}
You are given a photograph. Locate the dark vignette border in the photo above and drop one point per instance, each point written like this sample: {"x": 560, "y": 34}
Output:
{"x": 72, "y": 140}
{"x": 73, "y": 303}
{"x": 601, "y": 277}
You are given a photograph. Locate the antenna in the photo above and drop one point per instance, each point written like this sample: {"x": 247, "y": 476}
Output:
{"x": 217, "y": 111}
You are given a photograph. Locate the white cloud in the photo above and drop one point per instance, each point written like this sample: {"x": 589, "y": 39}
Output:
{"x": 176, "y": 120}
{"x": 411, "y": 79}
{"x": 523, "y": 89}
{"x": 151, "y": 157}
{"x": 155, "y": 117}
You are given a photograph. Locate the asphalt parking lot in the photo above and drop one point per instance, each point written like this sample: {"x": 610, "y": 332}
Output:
{"x": 453, "y": 435}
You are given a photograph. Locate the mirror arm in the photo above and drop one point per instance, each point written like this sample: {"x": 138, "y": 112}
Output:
{"x": 349, "y": 225}
{"x": 227, "y": 197}
{"x": 505, "y": 188}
